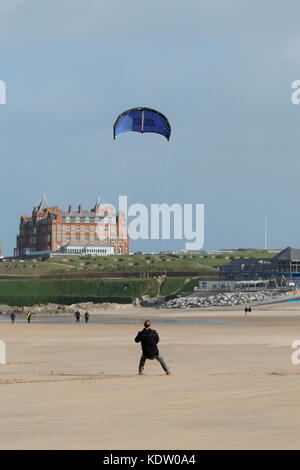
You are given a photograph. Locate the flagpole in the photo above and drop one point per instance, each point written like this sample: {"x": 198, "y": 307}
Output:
{"x": 266, "y": 233}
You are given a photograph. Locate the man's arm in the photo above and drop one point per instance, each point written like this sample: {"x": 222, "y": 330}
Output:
{"x": 138, "y": 337}
{"x": 156, "y": 337}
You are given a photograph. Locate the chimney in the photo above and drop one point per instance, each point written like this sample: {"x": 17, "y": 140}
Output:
{"x": 70, "y": 208}
{"x": 80, "y": 208}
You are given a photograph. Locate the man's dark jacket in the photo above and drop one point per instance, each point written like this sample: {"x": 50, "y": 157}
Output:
{"x": 149, "y": 339}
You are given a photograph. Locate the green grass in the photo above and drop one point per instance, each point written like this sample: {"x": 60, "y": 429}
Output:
{"x": 172, "y": 285}
{"x": 69, "y": 291}
{"x": 178, "y": 285}
{"x": 66, "y": 291}
{"x": 30, "y": 292}
{"x": 208, "y": 263}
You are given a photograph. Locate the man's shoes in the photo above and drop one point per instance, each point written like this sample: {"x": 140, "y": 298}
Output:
{"x": 141, "y": 373}
{"x": 168, "y": 373}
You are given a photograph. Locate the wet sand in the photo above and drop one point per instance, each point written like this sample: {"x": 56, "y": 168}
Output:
{"x": 233, "y": 386}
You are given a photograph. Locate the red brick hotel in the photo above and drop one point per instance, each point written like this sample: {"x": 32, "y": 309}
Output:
{"x": 50, "y": 230}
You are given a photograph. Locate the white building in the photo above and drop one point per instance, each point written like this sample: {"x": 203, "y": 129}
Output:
{"x": 83, "y": 250}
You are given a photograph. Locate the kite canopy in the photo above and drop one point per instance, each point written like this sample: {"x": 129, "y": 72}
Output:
{"x": 142, "y": 120}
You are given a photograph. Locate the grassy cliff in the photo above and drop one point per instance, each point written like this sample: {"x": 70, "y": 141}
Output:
{"x": 138, "y": 263}
{"x": 188, "y": 268}
{"x": 31, "y": 292}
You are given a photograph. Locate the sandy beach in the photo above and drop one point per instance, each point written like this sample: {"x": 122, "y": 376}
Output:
{"x": 233, "y": 385}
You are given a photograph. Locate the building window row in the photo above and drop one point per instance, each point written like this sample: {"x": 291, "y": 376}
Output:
{"x": 79, "y": 220}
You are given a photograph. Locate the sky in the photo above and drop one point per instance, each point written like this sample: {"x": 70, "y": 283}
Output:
{"x": 220, "y": 70}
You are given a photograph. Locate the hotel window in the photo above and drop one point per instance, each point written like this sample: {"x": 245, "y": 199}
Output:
{"x": 77, "y": 237}
{"x": 87, "y": 238}
{"x": 87, "y": 220}
{"x": 77, "y": 220}
{"x": 68, "y": 238}
{"x": 97, "y": 220}
{"x": 67, "y": 220}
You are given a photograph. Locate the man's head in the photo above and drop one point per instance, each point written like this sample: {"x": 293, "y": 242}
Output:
{"x": 147, "y": 324}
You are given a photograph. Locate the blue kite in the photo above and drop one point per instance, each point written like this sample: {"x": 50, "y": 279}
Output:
{"x": 142, "y": 120}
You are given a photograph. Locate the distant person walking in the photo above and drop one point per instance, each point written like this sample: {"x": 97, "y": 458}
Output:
{"x": 149, "y": 339}
{"x": 28, "y": 317}
{"x": 12, "y": 317}
{"x": 248, "y": 310}
{"x": 86, "y": 317}
{"x": 77, "y": 316}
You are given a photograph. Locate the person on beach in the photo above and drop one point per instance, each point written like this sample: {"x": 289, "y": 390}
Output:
{"x": 12, "y": 317}
{"x": 28, "y": 317}
{"x": 77, "y": 316}
{"x": 86, "y": 317}
{"x": 246, "y": 310}
{"x": 149, "y": 339}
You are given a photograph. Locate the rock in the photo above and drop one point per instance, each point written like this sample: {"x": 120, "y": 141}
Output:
{"x": 222, "y": 299}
